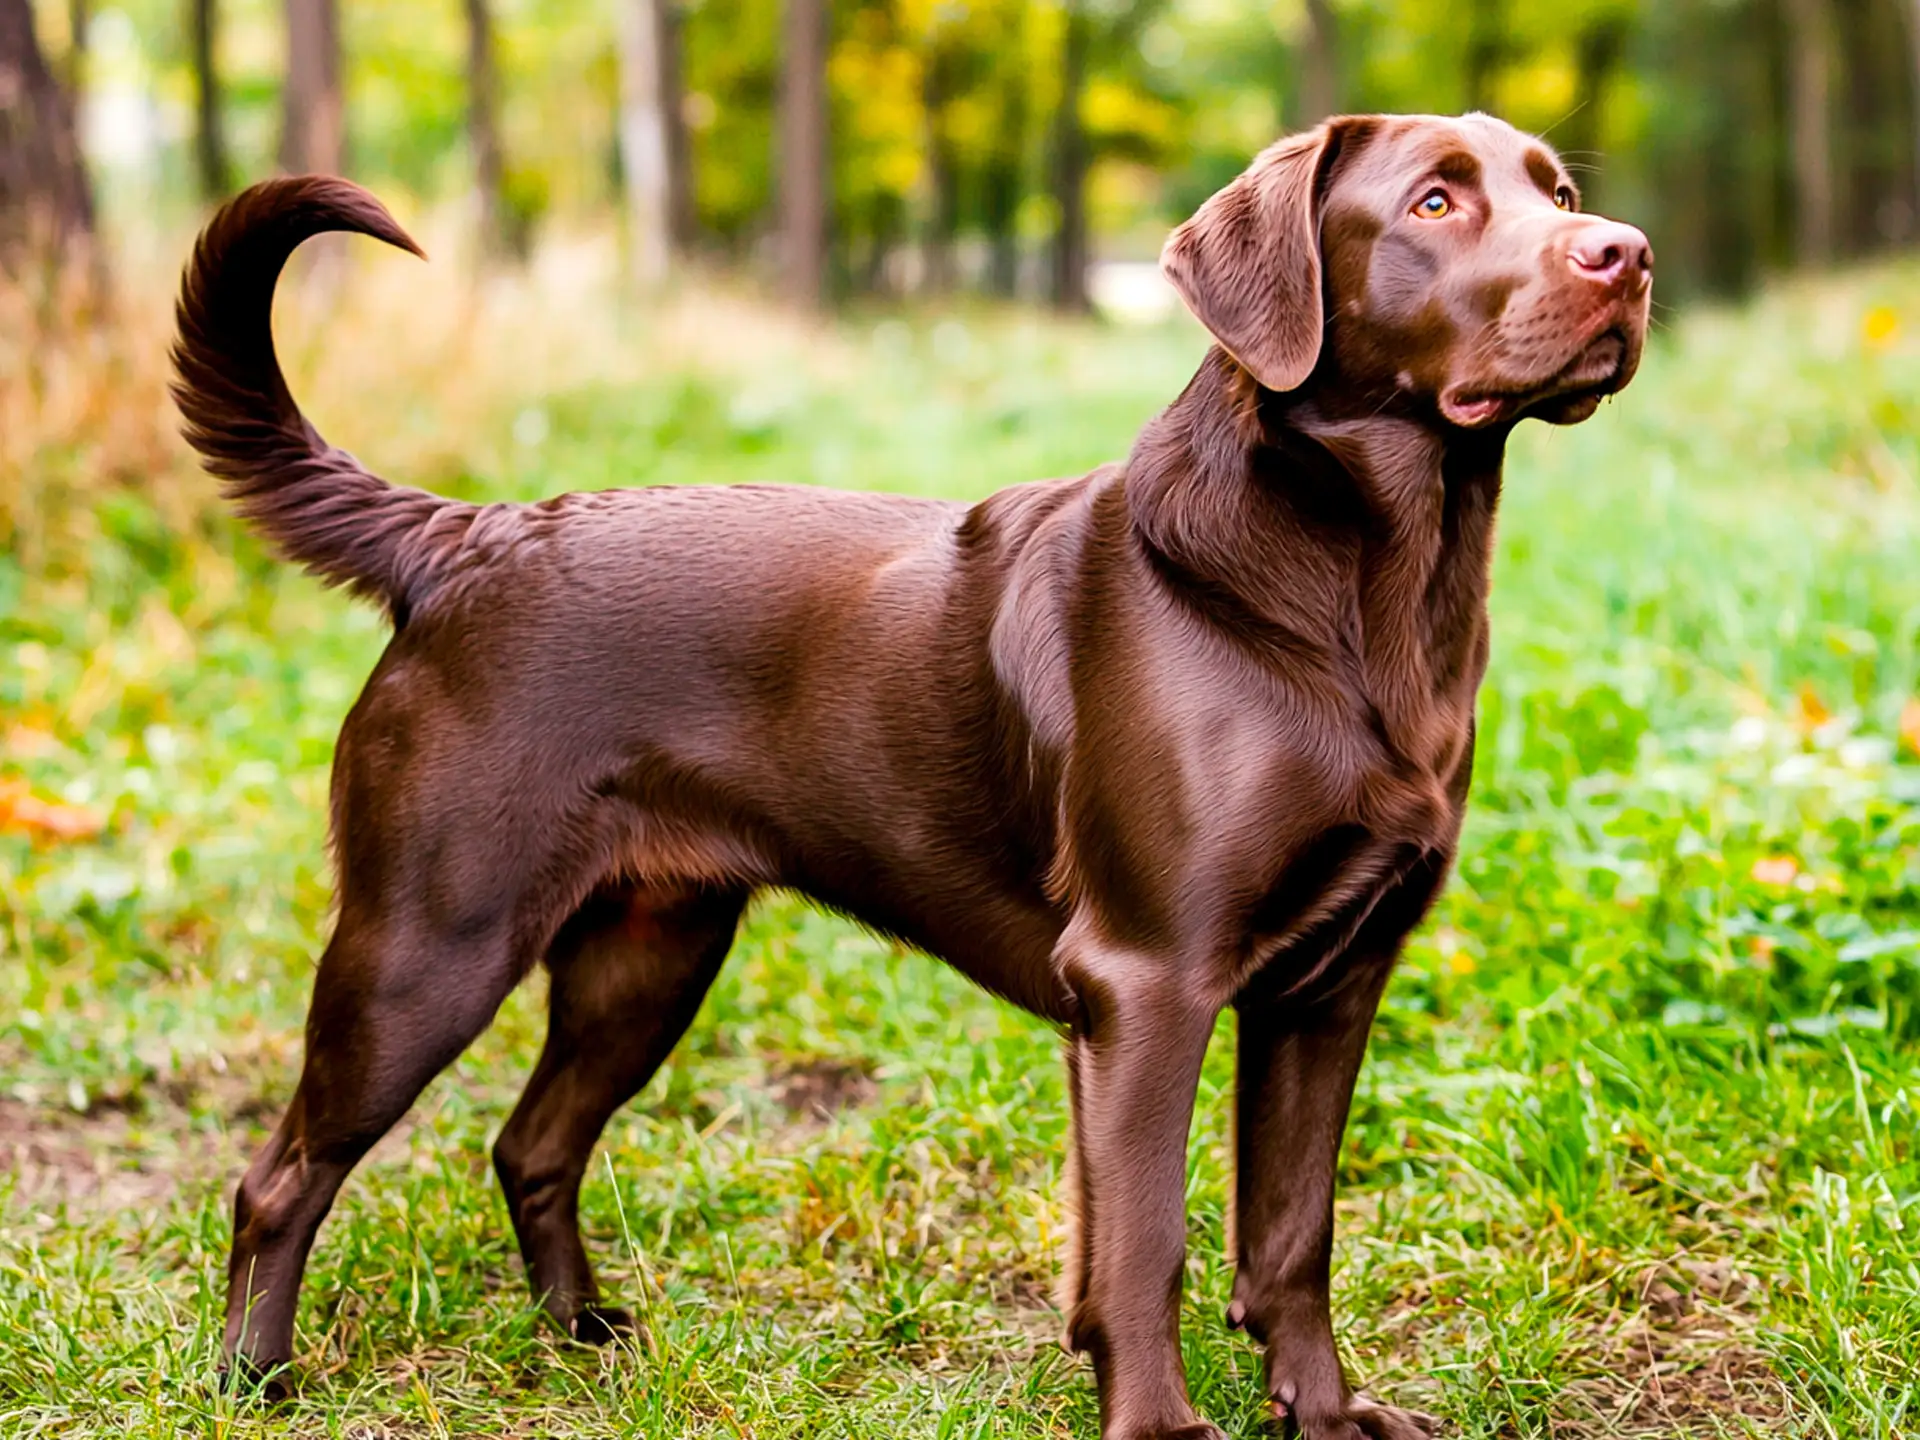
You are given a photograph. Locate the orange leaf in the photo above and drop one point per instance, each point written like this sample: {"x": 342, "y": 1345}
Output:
{"x": 30, "y": 742}
{"x": 1779, "y": 870}
{"x": 1813, "y": 710}
{"x": 22, "y": 810}
{"x": 1909, "y": 729}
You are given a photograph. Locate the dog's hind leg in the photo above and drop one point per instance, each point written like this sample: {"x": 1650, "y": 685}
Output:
{"x": 629, "y": 971}
{"x": 394, "y": 1002}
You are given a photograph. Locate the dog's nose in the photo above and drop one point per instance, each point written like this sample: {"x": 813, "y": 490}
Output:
{"x": 1611, "y": 254}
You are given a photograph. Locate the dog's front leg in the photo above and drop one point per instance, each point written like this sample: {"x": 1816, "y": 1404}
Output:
{"x": 1140, "y": 1033}
{"x": 1297, "y": 1066}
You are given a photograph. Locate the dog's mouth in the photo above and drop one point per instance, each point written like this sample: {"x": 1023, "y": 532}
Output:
{"x": 1571, "y": 393}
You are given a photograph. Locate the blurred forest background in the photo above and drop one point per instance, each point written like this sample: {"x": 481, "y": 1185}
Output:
{"x": 923, "y": 147}
{"x": 1636, "y": 1152}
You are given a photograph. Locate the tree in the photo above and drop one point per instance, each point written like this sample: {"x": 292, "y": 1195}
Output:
{"x": 79, "y": 19}
{"x": 43, "y": 183}
{"x": 802, "y": 159}
{"x": 209, "y": 133}
{"x": 1486, "y": 48}
{"x": 1321, "y": 93}
{"x": 483, "y": 131}
{"x": 1004, "y": 179}
{"x": 942, "y": 82}
{"x": 1810, "y": 121}
{"x": 684, "y": 221}
{"x": 1069, "y": 165}
{"x": 313, "y": 132}
{"x": 1913, "y": 58}
{"x": 652, "y": 139}
{"x": 1598, "y": 47}
{"x": 1872, "y": 161}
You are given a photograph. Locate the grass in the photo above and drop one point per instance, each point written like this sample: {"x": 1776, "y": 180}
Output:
{"x": 1634, "y": 1151}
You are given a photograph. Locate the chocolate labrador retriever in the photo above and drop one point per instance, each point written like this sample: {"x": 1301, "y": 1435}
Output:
{"x": 1192, "y": 731}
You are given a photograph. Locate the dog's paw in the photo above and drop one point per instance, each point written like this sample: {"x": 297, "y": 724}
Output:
{"x": 1197, "y": 1430}
{"x": 245, "y": 1378}
{"x": 601, "y": 1325}
{"x": 1361, "y": 1419}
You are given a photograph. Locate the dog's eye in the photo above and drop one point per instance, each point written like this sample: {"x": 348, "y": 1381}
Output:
{"x": 1435, "y": 206}
{"x": 1563, "y": 197}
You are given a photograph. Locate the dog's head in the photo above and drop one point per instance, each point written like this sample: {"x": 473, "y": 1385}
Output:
{"x": 1442, "y": 263}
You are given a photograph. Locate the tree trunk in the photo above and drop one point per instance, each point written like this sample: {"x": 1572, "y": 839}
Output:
{"x": 649, "y": 105}
{"x": 943, "y": 166}
{"x": 1486, "y": 48}
{"x": 680, "y": 200}
{"x": 1870, "y": 170}
{"x": 1912, "y": 18}
{"x": 1001, "y": 200}
{"x": 1320, "y": 87}
{"x": 314, "y": 130}
{"x": 1810, "y": 118}
{"x": 483, "y": 132}
{"x": 1070, "y": 161}
{"x": 79, "y": 20}
{"x": 802, "y": 156}
{"x": 1733, "y": 70}
{"x": 1597, "y": 52}
{"x": 43, "y": 182}
{"x": 884, "y": 226}
{"x": 209, "y": 134}
{"x": 1771, "y": 137}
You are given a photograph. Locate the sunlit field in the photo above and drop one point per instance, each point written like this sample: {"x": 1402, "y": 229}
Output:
{"x": 1635, "y": 1148}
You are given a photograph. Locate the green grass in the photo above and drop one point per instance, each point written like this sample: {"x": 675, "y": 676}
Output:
{"x": 1634, "y": 1151}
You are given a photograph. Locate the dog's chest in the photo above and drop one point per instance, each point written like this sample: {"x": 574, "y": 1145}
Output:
{"x": 1382, "y": 834}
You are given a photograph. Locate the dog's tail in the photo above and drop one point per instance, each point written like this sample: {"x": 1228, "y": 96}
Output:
{"x": 317, "y": 505}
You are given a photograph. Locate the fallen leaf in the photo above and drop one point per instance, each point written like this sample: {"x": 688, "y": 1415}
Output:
{"x": 1778, "y": 870}
{"x": 1813, "y": 711}
{"x": 31, "y": 742}
{"x": 1909, "y": 728}
{"x": 21, "y": 810}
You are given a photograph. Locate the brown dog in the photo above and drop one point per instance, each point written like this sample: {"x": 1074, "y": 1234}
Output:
{"x": 1191, "y": 731}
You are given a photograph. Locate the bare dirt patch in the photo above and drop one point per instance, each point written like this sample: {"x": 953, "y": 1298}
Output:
{"x": 821, "y": 1088}
{"x": 134, "y": 1148}
{"x": 1671, "y": 1351}
{"x": 1677, "y": 1359}
{"x": 97, "y": 1160}
{"x": 1688, "y": 1393}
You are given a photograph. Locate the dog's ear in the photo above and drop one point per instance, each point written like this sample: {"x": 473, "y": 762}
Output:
{"x": 1248, "y": 262}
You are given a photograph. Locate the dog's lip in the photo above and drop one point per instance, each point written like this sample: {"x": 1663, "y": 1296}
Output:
{"x": 1598, "y": 369}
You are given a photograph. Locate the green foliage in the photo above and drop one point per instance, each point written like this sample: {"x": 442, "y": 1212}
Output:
{"x": 1679, "y": 114}
{"x": 1634, "y": 1151}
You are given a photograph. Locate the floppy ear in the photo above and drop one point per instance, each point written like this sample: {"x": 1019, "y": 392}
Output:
{"x": 1248, "y": 262}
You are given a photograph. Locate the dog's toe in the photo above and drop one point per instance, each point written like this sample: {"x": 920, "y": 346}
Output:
{"x": 601, "y": 1325}
{"x": 1362, "y": 1419}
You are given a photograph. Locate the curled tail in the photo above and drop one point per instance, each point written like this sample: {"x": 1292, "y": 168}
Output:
{"x": 317, "y": 505}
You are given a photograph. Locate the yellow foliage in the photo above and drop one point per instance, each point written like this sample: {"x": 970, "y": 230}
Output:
{"x": 1880, "y": 327}
{"x": 1113, "y": 110}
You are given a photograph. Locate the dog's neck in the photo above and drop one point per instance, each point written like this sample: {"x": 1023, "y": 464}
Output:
{"x": 1366, "y": 539}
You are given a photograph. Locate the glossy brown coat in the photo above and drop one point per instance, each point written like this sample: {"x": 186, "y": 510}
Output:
{"x": 1192, "y": 731}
